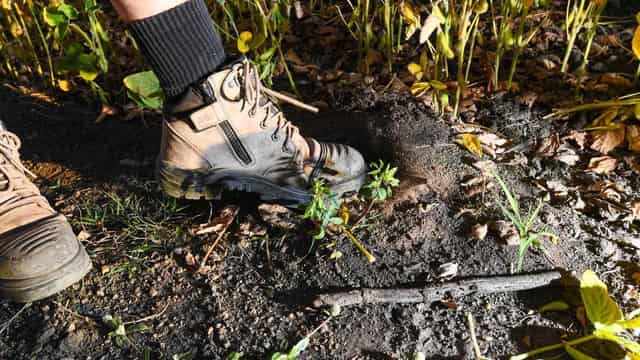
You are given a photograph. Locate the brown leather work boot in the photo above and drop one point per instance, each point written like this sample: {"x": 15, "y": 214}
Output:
{"x": 228, "y": 133}
{"x": 39, "y": 253}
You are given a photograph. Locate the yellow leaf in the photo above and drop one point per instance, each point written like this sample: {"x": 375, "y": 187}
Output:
{"x": 419, "y": 88}
{"x": 64, "y": 85}
{"x": 606, "y": 140}
{"x": 555, "y": 306}
{"x": 472, "y": 143}
{"x": 344, "y": 214}
{"x": 414, "y": 68}
{"x": 635, "y": 43}
{"x": 600, "y": 307}
{"x": 411, "y": 18}
{"x": 438, "y": 85}
{"x": 605, "y": 118}
{"x": 244, "y": 41}
{"x": 633, "y": 356}
{"x": 631, "y": 323}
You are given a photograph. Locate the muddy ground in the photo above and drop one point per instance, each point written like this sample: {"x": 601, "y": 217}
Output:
{"x": 251, "y": 296}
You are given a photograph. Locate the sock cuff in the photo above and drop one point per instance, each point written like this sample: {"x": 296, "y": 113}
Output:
{"x": 181, "y": 45}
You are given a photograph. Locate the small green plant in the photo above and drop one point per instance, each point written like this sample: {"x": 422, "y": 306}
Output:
{"x": 329, "y": 217}
{"x": 383, "y": 180}
{"x": 606, "y": 319}
{"x": 120, "y": 331}
{"x": 527, "y": 236}
{"x": 581, "y": 14}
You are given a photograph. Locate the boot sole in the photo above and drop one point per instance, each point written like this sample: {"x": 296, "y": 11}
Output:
{"x": 203, "y": 185}
{"x": 30, "y": 290}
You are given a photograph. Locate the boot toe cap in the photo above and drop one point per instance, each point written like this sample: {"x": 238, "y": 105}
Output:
{"x": 36, "y": 249}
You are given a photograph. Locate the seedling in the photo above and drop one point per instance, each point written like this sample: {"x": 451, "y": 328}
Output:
{"x": 325, "y": 212}
{"x": 581, "y": 14}
{"x": 120, "y": 331}
{"x": 606, "y": 319}
{"x": 383, "y": 180}
{"x": 528, "y": 237}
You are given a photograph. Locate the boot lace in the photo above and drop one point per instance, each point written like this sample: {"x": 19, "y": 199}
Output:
{"x": 260, "y": 97}
{"x": 20, "y": 192}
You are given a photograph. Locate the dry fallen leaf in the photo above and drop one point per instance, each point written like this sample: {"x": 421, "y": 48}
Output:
{"x": 549, "y": 146}
{"x": 507, "y": 233}
{"x": 606, "y": 140}
{"x": 616, "y": 80}
{"x": 634, "y": 207}
{"x": 633, "y": 137}
{"x": 635, "y": 43}
{"x": 567, "y": 155}
{"x": 602, "y": 164}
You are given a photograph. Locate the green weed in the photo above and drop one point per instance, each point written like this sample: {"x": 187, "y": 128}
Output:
{"x": 120, "y": 331}
{"x": 524, "y": 225}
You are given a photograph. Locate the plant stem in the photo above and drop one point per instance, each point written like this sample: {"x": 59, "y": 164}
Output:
{"x": 45, "y": 45}
{"x": 358, "y": 245}
{"x": 552, "y": 347}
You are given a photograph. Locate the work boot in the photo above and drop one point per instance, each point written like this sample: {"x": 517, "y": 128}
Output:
{"x": 39, "y": 253}
{"x": 228, "y": 133}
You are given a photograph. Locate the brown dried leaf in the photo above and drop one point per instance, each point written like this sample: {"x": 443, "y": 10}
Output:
{"x": 633, "y": 137}
{"x": 479, "y": 231}
{"x": 616, "y": 80}
{"x": 549, "y": 146}
{"x": 602, "y": 164}
{"x": 606, "y": 140}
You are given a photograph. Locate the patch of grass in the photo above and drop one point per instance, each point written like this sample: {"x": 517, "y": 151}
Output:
{"x": 524, "y": 225}
{"x": 142, "y": 223}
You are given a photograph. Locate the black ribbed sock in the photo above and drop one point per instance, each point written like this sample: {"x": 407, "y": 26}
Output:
{"x": 181, "y": 45}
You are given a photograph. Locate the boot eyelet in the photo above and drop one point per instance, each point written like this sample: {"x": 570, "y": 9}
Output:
{"x": 274, "y": 137}
{"x": 263, "y": 124}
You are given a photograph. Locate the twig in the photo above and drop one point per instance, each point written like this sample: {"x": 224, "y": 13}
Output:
{"x": 220, "y": 235}
{"x": 147, "y": 318}
{"x": 437, "y": 292}
{"x": 5, "y": 326}
{"x": 474, "y": 340}
{"x": 82, "y": 317}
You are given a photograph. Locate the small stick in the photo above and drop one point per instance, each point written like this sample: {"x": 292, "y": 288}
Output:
{"x": 147, "y": 318}
{"x": 474, "y": 340}
{"x": 437, "y": 292}
{"x": 222, "y": 232}
{"x": 13, "y": 318}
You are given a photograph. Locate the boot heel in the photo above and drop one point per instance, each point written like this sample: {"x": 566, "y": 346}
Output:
{"x": 184, "y": 184}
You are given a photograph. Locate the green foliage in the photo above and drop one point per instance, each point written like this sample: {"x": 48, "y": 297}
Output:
{"x": 119, "y": 331}
{"x": 382, "y": 182}
{"x": 322, "y": 209}
{"x": 524, "y": 225}
{"x": 144, "y": 90}
{"x": 606, "y": 319}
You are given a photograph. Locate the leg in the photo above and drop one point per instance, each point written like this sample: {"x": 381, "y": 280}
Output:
{"x": 223, "y": 128}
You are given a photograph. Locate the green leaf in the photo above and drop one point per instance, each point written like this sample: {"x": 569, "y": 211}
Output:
{"x": 54, "y": 17}
{"x": 630, "y": 345}
{"x": 630, "y": 324}
{"x": 299, "y": 347}
{"x": 69, "y": 11}
{"x": 234, "y": 356}
{"x": 144, "y": 88}
{"x": 599, "y": 306}
{"x": 279, "y": 356}
{"x": 554, "y": 306}
{"x": 577, "y": 355}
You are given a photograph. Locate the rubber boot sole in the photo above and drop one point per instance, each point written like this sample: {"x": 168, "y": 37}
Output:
{"x": 203, "y": 185}
{"x": 30, "y": 290}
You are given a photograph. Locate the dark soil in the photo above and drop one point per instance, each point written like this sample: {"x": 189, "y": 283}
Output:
{"x": 252, "y": 296}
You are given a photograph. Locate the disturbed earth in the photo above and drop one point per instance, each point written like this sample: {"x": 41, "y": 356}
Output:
{"x": 252, "y": 295}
